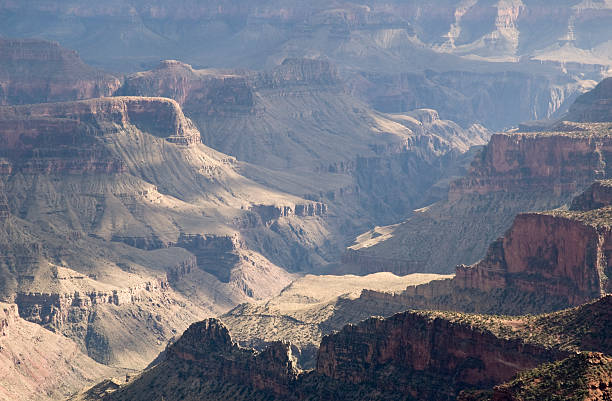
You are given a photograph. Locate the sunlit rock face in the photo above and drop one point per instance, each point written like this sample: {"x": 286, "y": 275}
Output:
{"x": 119, "y": 227}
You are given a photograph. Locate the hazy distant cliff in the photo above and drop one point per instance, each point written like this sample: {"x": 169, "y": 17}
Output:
{"x": 36, "y": 71}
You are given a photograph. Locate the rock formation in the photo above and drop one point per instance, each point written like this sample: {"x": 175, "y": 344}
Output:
{"x": 425, "y": 355}
{"x": 546, "y": 261}
{"x": 411, "y": 343}
{"x": 205, "y": 353}
{"x": 556, "y": 254}
{"x": 507, "y": 177}
{"x": 308, "y": 309}
{"x": 119, "y": 227}
{"x": 308, "y": 137}
{"x": 593, "y": 106}
{"x": 37, "y": 71}
{"x": 38, "y": 364}
{"x": 585, "y": 376}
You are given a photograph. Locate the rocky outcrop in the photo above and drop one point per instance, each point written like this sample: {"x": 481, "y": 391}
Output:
{"x": 53, "y": 310}
{"x": 299, "y": 72}
{"x": 207, "y": 351}
{"x": 596, "y": 196}
{"x": 412, "y": 342}
{"x": 553, "y": 254}
{"x": 204, "y": 342}
{"x": 63, "y": 137}
{"x": 158, "y": 116}
{"x": 205, "y": 92}
{"x": 8, "y": 317}
{"x": 514, "y": 162}
{"x": 585, "y": 376}
{"x": 593, "y": 106}
{"x": 269, "y": 213}
{"x": 37, "y": 71}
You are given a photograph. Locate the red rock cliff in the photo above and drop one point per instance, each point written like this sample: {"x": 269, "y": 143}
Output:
{"x": 413, "y": 342}
{"x": 561, "y": 162}
{"x": 557, "y": 254}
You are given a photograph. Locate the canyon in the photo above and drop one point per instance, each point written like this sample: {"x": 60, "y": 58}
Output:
{"x": 120, "y": 227}
{"x": 546, "y": 261}
{"x": 507, "y": 177}
{"x": 296, "y": 122}
{"x": 324, "y": 200}
{"x": 453, "y": 56}
{"x": 117, "y": 215}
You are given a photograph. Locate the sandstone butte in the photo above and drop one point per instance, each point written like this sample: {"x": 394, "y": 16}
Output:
{"x": 429, "y": 354}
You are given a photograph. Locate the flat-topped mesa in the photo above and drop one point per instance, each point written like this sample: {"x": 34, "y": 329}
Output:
{"x": 38, "y": 71}
{"x": 514, "y": 162}
{"x": 557, "y": 254}
{"x": 202, "y": 92}
{"x": 158, "y": 116}
{"x": 596, "y": 196}
{"x": 44, "y": 138}
{"x": 208, "y": 345}
{"x": 299, "y": 72}
{"x": 593, "y": 106}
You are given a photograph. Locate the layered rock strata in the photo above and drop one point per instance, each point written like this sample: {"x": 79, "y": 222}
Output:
{"x": 513, "y": 162}
{"x": 555, "y": 253}
{"x": 37, "y": 71}
{"x": 410, "y": 342}
{"x": 116, "y": 217}
{"x": 508, "y": 177}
